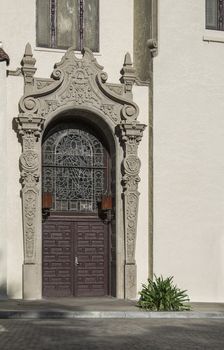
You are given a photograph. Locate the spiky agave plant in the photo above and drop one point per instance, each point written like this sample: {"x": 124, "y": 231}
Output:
{"x": 162, "y": 295}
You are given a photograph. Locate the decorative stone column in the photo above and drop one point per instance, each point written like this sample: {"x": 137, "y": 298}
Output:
{"x": 30, "y": 174}
{"x": 4, "y": 60}
{"x": 29, "y": 128}
{"x": 131, "y": 135}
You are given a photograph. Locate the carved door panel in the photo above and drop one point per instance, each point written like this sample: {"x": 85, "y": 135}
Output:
{"x": 75, "y": 257}
{"x": 91, "y": 258}
{"x": 57, "y": 256}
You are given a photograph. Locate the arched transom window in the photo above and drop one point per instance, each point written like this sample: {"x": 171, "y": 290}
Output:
{"x": 75, "y": 173}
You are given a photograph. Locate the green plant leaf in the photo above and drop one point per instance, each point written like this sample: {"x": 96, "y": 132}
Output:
{"x": 162, "y": 295}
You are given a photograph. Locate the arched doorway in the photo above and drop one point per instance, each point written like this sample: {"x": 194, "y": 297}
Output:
{"x": 79, "y": 85}
{"x": 76, "y": 233}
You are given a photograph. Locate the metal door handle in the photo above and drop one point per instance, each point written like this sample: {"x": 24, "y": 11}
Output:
{"x": 76, "y": 261}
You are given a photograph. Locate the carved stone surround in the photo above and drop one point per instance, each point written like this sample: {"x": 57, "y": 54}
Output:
{"x": 79, "y": 84}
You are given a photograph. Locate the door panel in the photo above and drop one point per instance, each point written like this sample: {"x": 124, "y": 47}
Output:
{"x": 57, "y": 257}
{"x": 67, "y": 242}
{"x": 91, "y": 251}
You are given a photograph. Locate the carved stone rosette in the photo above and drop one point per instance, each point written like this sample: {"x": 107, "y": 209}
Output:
{"x": 30, "y": 173}
{"x": 131, "y": 135}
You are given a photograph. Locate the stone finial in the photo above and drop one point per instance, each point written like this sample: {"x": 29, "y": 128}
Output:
{"x": 28, "y": 67}
{"x": 28, "y": 59}
{"x": 128, "y": 76}
{"x": 3, "y": 55}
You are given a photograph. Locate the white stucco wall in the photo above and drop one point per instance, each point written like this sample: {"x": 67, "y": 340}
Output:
{"x": 140, "y": 95}
{"x": 188, "y": 152}
{"x": 14, "y": 208}
{"x": 11, "y": 248}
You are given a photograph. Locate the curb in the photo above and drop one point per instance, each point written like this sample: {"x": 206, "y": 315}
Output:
{"x": 109, "y": 314}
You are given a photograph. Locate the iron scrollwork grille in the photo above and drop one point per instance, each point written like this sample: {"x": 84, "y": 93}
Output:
{"x": 75, "y": 172}
{"x": 215, "y": 14}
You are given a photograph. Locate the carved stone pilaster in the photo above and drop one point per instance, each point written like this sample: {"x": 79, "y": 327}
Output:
{"x": 131, "y": 135}
{"x": 30, "y": 173}
{"x": 29, "y": 163}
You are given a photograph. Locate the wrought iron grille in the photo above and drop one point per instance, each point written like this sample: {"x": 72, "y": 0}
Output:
{"x": 74, "y": 170}
{"x": 53, "y": 22}
{"x": 215, "y": 14}
{"x": 81, "y": 23}
{"x": 78, "y": 20}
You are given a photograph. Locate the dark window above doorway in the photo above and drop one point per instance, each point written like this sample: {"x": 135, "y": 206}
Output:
{"x": 215, "y": 14}
{"x": 64, "y": 23}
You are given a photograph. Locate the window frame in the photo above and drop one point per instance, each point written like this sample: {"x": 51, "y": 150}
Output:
{"x": 219, "y": 26}
{"x": 52, "y": 24}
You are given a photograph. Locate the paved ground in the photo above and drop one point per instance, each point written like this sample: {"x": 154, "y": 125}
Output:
{"x": 91, "y": 304}
{"x": 107, "y": 307}
{"x": 112, "y": 334}
{"x": 71, "y": 304}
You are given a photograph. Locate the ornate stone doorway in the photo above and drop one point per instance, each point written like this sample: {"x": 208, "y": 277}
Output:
{"x": 76, "y": 231}
{"x": 79, "y": 87}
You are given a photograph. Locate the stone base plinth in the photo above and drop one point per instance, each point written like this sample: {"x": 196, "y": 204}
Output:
{"x": 130, "y": 271}
{"x": 32, "y": 281}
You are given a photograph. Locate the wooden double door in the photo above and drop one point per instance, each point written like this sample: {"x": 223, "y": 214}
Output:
{"x": 76, "y": 174}
{"x": 75, "y": 257}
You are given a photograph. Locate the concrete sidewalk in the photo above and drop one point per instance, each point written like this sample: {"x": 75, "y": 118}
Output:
{"x": 106, "y": 307}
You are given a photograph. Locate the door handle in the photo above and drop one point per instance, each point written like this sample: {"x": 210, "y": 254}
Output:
{"x": 76, "y": 261}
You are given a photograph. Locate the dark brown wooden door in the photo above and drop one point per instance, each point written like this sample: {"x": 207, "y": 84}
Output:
{"x": 76, "y": 171}
{"x": 75, "y": 257}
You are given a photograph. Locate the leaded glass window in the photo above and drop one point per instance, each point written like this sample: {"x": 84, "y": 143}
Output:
{"x": 75, "y": 165}
{"x": 65, "y": 23}
{"x": 215, "y": 14}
